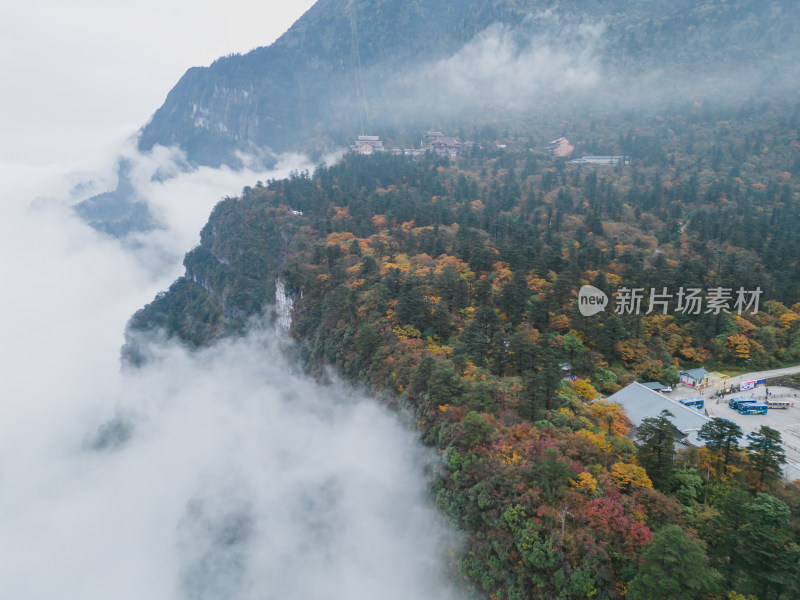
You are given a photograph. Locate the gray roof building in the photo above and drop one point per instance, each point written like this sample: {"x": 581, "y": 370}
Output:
{"x": 641, "y": 402}
{"x": 654, "y": 385}
{"x": 696, "y": 374}
{"x": 694, "y": 377}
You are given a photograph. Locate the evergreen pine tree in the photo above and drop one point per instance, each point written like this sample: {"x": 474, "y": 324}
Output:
{"x": 675, "y": 568}
{"x": 657, "y": 452}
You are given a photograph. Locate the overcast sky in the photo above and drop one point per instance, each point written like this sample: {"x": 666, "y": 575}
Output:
{"x": 79, "y": 77}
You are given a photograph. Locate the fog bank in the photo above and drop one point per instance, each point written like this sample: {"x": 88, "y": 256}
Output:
{"x": 237, "y": 477}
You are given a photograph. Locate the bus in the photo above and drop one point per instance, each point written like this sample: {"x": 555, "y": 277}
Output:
{"x": 693, "y": 402}
{"x": 752, "y": 409}
{"x": 779, "y": 403}
{"x": 734, "y": 403}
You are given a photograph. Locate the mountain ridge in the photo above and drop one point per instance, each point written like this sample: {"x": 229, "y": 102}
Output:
{"x": 299, "y": 92}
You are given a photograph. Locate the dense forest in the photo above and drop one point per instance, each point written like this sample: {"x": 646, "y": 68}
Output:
{"x": 450, "y": 286}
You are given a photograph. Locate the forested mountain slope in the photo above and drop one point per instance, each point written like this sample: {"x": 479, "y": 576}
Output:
{"x": 450, "y": 285}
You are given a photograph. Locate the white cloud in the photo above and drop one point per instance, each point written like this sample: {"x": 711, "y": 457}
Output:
{"x": 181, "y": 201}
{"x": 504, "y": 69}
{"x": 240, "y": 478}
{"x": 329, "y": 487}
{"x": 503, "y": 66}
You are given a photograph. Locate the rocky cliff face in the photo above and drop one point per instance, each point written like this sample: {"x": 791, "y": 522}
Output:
{"x": 233, "y": 275}
{"x": 302, "y": 86}
{"x": 284, "y": 304}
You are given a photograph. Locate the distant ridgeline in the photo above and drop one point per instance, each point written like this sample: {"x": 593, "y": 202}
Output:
{"x": 484, "y": 70}
{"x": 451, "y": 284}
{"x": 393, "y": 66}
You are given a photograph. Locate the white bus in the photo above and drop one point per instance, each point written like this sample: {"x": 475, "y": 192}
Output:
{"x": 779, "y": 403}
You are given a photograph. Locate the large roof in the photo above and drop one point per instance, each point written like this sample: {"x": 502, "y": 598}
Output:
{"x": 791, "y": 471}
{"x": 641, "y": 402}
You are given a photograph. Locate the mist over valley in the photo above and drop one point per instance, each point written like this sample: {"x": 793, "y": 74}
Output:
{"x": 430, "y": 415}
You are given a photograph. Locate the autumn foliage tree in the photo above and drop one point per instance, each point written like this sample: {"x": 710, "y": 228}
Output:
{"x": 612, "y": 416}
{"x": 739, "y": 346}
{"x": 629, "y": 476}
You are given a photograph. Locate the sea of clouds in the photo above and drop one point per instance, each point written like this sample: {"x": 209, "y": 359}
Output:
{"x": 237, "y": 476}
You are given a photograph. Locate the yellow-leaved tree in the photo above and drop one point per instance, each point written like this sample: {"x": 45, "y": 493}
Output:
{"x": 585, "y": 482}
{"x": 739, "y": 346}
{"x": 611, "y": 416}
{"x": 584, "y": 389}
{"x": 629, "y": 476}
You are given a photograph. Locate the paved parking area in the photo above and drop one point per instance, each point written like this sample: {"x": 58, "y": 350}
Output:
{"x": 786, "y": 421}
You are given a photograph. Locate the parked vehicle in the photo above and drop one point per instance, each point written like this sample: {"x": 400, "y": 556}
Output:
{"x": 693, "y": 402}
{"x": 752, "y": 409}
{"x": 734, "y": 403}
{"x": 779, "y": 403}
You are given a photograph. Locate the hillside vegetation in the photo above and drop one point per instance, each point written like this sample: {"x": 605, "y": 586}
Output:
{"x": 451, "y": 287}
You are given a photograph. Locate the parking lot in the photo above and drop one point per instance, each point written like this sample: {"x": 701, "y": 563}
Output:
{"x": 786, "y": 421}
